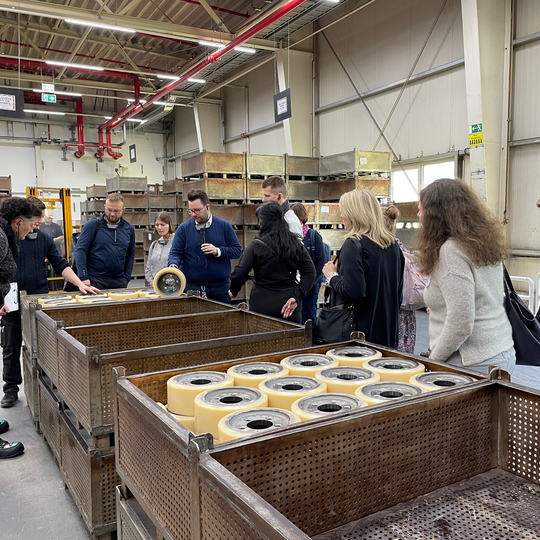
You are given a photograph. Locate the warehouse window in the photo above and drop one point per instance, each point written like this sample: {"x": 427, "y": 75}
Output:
{"x": 419, "y": 176}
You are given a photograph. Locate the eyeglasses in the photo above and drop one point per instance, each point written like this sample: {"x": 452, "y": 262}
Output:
{"x": 111, "y": 211}
{"x": 192, "y": 211}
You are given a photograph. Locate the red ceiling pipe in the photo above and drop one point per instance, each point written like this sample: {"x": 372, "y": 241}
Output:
{"x": 115, "y": 155}
{"x": 101, "y": 149}
{"x": 80, "y": 131}
{"x": 132, "y": 110}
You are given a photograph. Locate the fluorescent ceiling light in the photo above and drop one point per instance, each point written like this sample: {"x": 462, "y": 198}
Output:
{"x": 101, "y": 25}
{"x": 245, "y": 50}
{"x": 211, "y": 44}
{"x": 198, "y": 81}
{"x": 160, "y": 103}
{"x": 168, "y": 77}
{"x": 67, "y": 64}
{"x": 135, "y": 120}
{"x": 140, "y": 101}
{"x": 59, "y": 93}
{"x": 43, "y": 112}
{"x": 108, "y": 117}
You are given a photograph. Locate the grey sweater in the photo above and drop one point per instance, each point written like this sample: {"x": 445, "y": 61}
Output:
{"x": 466, "y": 311}
{"x": 158, "y": 256}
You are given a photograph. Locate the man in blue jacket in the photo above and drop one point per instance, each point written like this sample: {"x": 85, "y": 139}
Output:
{"x": 203, "y": 248}
{"x": 106, "y": 248}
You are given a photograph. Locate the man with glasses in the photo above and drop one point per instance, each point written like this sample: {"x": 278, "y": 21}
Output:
{"x": 106, "y": 248}
{"x": 203, "y": 248}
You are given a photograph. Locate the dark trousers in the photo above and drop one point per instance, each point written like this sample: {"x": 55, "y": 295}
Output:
{"x": 101, "y": 283}
{"x": 11, "y": 351}
{"x": 219, "y": 293}
{"x": 309, "y": 306}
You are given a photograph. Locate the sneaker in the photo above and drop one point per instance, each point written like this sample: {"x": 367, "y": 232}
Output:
{"x": 9, "y": 450}
{"x": 9, "y": 399}
{"x": 4, "y": 426}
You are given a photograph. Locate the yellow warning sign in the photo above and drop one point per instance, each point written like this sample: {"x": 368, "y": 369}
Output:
{"x": 476, "y": 139}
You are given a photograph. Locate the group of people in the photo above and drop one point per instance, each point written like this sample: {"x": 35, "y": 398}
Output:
{"x": 460, "y": 246}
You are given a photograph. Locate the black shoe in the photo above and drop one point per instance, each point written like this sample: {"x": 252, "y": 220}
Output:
{"x": 9, "y": 450}
{"x": 4, "y": 426}
{"x": 9, "y": 399}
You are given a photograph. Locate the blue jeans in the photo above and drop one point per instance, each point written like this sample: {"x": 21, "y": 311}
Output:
{"x": 505, "y": 360}
{"x": 309, "y": 306}
{"x": 219, "y": 293}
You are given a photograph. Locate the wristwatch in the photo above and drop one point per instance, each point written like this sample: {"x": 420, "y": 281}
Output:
{"x": 330, "y": 277}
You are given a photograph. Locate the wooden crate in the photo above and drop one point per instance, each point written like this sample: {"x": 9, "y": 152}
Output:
{"x": 213, "y": 164}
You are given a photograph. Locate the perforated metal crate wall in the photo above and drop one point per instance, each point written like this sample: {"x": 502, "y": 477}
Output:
{"x": 91, "y": 477}
{"x": 49, "y": 407}
{"x": 85, "y": 378}
{"x": 153, "y": 461}
{"x": 129, "y": 524}
{"x": 31, "y": 385}
{"x": 329, "y": 475}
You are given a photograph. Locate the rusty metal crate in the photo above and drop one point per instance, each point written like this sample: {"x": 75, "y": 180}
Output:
{"x": 254, "y": 189}
{"x": 333, "y": 237}
{"x": 135, "y": 200}
{"x": 155, "y": 189}
{"x": 124, "y": 183}
{"x": 136, "y": 218}
{"x": 90, "y": 474}
{"x": 49, "y": 411}
{"x": 94, "y": 205}
{"x": 5, "y": 184}
{"x": 84, "y": 207}
{"x": 131, "y": 521}
{"x": 87, "y": 354}
{"x": 139, "y": 236}
{"x": 42, "y": 322}
{"x": 301, "y": 168}
{"x": 217, "y": 188}
{"x": 407, "y": 211}
{"x": 162, "y": 201}
{"x": 177, "y": 216}
{"x": 172, "y": 186}
{"x": 148, "y": 237}
{"x": 96, "y": 192}
{"x": 327, "y": 213}
{"x": 138, "y": 269}
{"x": 214, "y": 163}
{"x": 261, "y": 166}
{"x": 175, "y": 458}
{"x": 302, "y": 190}
{"x": 31, "y": 392}
{"x": 250, "y": 214}
{"x": 233, "y": 213}
{"x": 332, "y": 190}
{"x": 355, "y": 162}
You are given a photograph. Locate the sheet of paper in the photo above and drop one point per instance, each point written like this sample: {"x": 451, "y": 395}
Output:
{"x": 12, "y": 298}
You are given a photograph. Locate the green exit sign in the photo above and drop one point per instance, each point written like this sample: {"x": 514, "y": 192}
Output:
{"x": 49, "y": 98}
{"x": 476, "y": 128}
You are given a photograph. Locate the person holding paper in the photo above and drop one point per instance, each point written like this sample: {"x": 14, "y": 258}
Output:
{"x": 16, "y": 221}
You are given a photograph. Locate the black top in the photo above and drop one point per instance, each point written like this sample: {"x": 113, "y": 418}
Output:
{"x": 53, "y": 230}
{"x": 272, "y": 273}
{"x": 371, "y": 279}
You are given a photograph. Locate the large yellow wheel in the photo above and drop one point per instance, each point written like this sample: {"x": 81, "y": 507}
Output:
{"x": 169, "y": 282}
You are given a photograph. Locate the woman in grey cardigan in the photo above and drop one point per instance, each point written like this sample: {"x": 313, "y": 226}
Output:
{"x": 462, "y": 246}
{"x": 158, "y": 255}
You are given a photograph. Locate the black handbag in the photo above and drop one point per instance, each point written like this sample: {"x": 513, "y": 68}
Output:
{"x": 525, "y": 326}
{"x": 334, "y": 325}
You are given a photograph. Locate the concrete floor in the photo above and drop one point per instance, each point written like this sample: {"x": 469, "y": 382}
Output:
{"x": 35, "y": 504}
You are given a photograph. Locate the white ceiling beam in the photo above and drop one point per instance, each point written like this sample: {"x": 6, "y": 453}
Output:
{"x": 155, "y": 28}
{"x": 31, "y": 42}
{"x": 213, "y": 15}
{"x": 104, "y": 6}
{"x": 74, "y": 52}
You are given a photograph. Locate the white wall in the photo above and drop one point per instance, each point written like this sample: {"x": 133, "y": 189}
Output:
{"x": 378, "y": 45}
{"x": 43, "y": 165}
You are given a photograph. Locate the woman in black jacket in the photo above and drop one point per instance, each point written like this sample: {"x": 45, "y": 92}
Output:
{"x": 368, "y": 271}
{"x": 276, "y": 257}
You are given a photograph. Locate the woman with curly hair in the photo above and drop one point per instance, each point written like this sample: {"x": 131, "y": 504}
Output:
{"x": 461, "y": 245}
{"x": 368, "y": 270}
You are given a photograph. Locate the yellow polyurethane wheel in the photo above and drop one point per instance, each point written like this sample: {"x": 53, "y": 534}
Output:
{"x": 169, "y": 282}
{"x": 148, "y": 293}
{"x": 395, "y": 369}
{"x": 439, "y": 380}
{"x": 122, "y": 294}
{"x": 187, "y": 421}
{"x": 322, "y": 405}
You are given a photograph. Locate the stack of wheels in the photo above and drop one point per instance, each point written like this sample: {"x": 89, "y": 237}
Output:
{"x": 439, "y": 380}
{"x": 91, "y": 298}
{"x": 383, "y": 392}
{"x": 319, "y": 406}
{"x": 169, "y": 282}
{"x": 252, "y": 374}
{"x": 346, "y": 379}
{"x": 308, "y": 364}
{"x": 51, "y": 297}
{"x": 122, "y": 294}
{"x": 58, "y": 301}
{"x": 211, "y": 406}
{"x": 254, "y": 421}
{"x": 395, "y": 369}
{"x": 187, "y": 421}
{"x": 184, "y": 388}
{"x": 284, "y": 391}
{"x": 148, "y": 293}
{"x": 353, "y": 356}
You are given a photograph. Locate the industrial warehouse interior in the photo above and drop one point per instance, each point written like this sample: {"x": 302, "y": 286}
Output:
{"x": 179, "y": 402}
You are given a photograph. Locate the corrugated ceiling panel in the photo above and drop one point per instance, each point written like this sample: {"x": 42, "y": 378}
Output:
{"x": 527, "y": 16}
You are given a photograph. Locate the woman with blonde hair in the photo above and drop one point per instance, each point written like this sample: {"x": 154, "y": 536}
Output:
{"x": 158, "y": 254}
{"x": 368, "y": 270}
{"x": 461, "y": 245}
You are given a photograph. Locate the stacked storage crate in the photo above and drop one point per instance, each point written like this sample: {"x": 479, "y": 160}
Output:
{"x": 5, "y": 188}
{"x": 77, "y": 346}
{"x": 135, "y": 193}
{"x": 94, "y": 204}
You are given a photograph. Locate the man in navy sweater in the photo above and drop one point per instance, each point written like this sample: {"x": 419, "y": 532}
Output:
{"x": 203, "y": 248}
{"x": 104, "y": 255}
{"x": 31, "y": 277}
